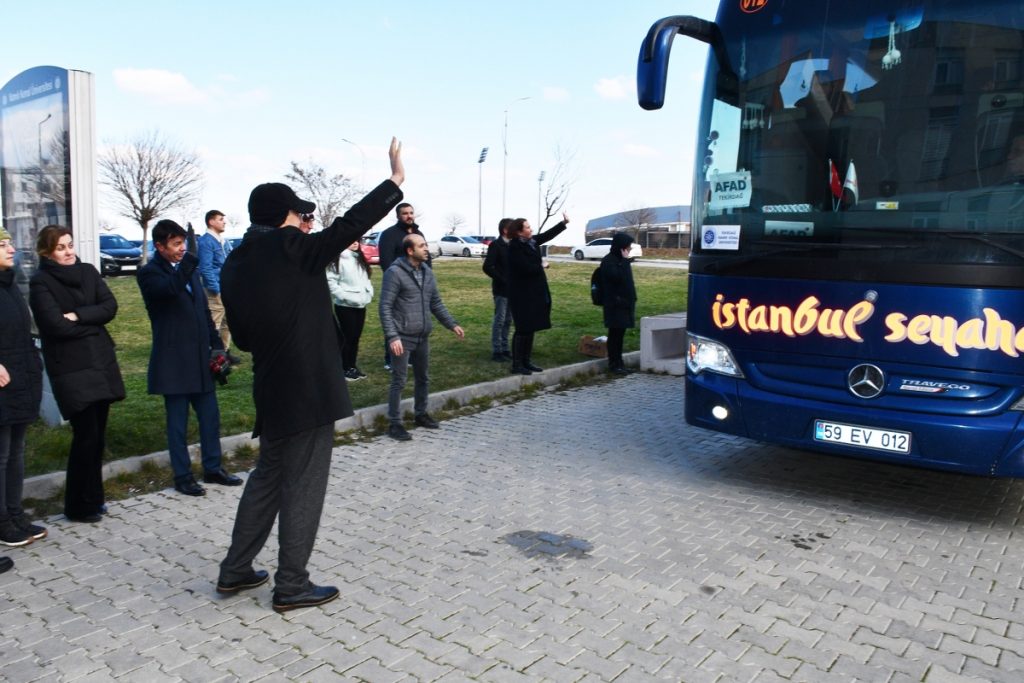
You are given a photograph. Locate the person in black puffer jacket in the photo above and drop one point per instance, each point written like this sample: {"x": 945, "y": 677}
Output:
{"x": 21, "y": 389}
{"x": 618, "y": 295}
{"x": 71, "y": 304}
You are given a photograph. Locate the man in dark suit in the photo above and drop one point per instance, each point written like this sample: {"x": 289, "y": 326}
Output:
{"x": 184, "y": 343}
{"x": 279, "y": 309}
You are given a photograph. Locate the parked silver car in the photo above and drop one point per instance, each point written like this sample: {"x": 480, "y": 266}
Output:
{"x": 460, "y": 245}
{"x": 596, "y": 249}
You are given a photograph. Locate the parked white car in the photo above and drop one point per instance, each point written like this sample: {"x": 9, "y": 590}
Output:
{"x": 460, "y": 245}
{"x": 596, "y": 249}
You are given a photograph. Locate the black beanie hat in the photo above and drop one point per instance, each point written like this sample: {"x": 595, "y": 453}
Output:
{"x": 621, "y": 240}
{"x": 270, "y": 203}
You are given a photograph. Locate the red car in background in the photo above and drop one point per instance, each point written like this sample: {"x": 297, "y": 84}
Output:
{"x": 368, "y": 245}
{"x": 485, "y": 239}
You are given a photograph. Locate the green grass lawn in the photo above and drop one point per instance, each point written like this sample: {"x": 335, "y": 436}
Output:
{"x": 137, "y": 424}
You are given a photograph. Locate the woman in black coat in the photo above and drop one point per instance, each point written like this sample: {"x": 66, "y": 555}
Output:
{"x": 21, "y": 388}
{"x": 529, "y": 298}
{"x": 71, "y": 305}
{"x": 618, "y": 297}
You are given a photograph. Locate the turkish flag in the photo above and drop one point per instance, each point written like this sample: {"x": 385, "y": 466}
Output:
{"x": 833, "y": 180}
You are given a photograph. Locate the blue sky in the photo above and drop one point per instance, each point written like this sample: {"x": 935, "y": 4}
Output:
{"x": 253, "y": 85}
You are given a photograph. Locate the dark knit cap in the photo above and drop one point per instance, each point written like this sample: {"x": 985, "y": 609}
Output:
{"x": 621, "y": 240}
{"x": 270, "y": 203}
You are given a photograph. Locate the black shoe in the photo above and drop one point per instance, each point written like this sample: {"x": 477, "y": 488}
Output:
{"x": 520, "y": 370}
{"x": 353, "y": 375}
{"x": 219, "y": 476}
{"x": 425, "y": 420}
{"x": 189, "y": 487}
{"x": 35, "y": 531}
{"x": 532, "y": 368}
{"x": 360, "y": 373}
{"x": 13, "y": 537}
{"x": 85, "y": 519}
{"x": 618, "y": 371}
{"x": 398, "y": 433}
{"x": 316, "y": 595}
{"x": 256, "y": 578}
{"x": 6, "y": 564}
{"x": 233, "y": 359}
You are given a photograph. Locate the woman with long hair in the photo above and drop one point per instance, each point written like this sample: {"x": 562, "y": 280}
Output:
{"x": 21, "y": 389}
{"x": 529, "y": 298}
{"x": 72, "y": 304}
{"x": 349, "y": 281}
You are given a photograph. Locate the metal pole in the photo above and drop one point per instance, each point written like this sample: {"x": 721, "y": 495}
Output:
{"x": 362, "y": 171}
{"x": 480, "y": 192}
{"x": 540, "y": 179}
{"x": 504, "y": 146}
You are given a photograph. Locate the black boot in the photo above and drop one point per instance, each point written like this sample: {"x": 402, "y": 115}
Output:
{"x": 517, "y": 356}
{"x": 527, "y": 362}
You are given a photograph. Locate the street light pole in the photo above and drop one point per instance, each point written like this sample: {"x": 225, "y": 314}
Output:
{"x": 480, "y": 192}
{"x": 540, "y": 179}
{"x": 362, "y": 172}
{"x": 504, "y": 146}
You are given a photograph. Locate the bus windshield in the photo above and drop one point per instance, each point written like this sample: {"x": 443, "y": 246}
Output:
{"x": 874, "y": 139}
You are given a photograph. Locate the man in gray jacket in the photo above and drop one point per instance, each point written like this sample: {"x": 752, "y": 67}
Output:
{"x": 408, "y": 298}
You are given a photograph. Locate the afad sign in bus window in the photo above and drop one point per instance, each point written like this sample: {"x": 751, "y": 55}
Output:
{"x": 990, "y": 331}
{"x": 751, "y": 6}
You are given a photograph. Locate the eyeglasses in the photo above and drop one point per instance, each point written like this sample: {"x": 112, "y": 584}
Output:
{"x": 306, "y": 217}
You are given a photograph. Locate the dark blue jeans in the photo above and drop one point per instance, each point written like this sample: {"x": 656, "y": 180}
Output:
{"x": 501, "y": 324}
{"x": 208, "y": 414}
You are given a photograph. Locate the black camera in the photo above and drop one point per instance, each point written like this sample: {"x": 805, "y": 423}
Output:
{"x": 220, "y": 367}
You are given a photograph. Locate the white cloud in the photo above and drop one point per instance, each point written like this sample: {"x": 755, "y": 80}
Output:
{"x": 554, "y": 93}
{"x": 169, "y": 87}
{"x": 163, "y": 87}
{"x": 644, "y": 151}
{"x": 617, "y": 88}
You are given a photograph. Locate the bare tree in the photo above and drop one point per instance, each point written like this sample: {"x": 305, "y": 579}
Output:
{"x": 453, "y": 222}
{"x": 150, "y": 175}
{"x": 634, "y": 219}
{"x": 332, "y": 194}
{"x": 560, "y": 181}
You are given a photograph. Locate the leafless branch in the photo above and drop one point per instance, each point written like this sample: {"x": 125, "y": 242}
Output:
{"x": 560, "y": 182}
{"x": 332, "y": 194}
{"x": 150, "y": 175}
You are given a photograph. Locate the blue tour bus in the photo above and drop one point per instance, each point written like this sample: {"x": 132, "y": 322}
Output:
{"x": 857, "y": 265}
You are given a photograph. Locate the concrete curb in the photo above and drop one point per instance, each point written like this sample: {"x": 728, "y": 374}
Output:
{"x": 45, "y": 485}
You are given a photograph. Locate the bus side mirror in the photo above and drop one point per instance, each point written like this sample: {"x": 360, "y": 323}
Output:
{"x": 652, "y": 65}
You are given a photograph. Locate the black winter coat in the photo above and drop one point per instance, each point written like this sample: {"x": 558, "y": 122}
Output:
{"x": 183, "y": 333}
{"x": 79, "y": 356}
{"x": 279, "y": 308}
{"x": 389, "y": 244}
{"x": 529, "y": 298}
{"x": 19, "y": 400}
{"x": 496, "y": 266}
{"x": 617, "y": 291}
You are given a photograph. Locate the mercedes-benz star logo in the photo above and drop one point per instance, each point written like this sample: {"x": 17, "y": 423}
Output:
{"x": 866, "y": 381}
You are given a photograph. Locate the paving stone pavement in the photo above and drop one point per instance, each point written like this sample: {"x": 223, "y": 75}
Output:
{"x": 584, "y": 535}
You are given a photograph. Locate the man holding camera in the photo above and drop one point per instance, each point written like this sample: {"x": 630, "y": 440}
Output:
{"x": 186, "y": 356}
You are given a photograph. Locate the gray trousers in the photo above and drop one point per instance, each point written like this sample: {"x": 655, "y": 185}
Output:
{"x": 290, "y": 480}
{"x": 419, "y": 353}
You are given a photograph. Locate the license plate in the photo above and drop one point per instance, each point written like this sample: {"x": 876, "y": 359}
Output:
{"x": 863, "y": 437}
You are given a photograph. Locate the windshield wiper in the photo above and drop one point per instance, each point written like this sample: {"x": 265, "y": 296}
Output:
{"x": 784, "y": 247}
{"x": 974, "y": 237}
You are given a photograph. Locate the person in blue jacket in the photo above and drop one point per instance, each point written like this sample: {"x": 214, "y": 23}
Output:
{"x": 213, "y": 250}
{"x": 184, "y": 343}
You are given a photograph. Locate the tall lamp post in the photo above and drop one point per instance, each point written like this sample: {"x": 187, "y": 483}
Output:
{"x": 540, "y": 179}
{"x": 480, "y": 191}
{"x": 504, "y": 147}
{"x": 362, "y": 171}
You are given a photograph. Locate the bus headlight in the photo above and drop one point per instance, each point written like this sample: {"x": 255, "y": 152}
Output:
{"x": 704, "y": 354}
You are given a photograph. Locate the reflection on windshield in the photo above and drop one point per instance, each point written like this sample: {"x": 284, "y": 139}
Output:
{"x": 867, "y": 116}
